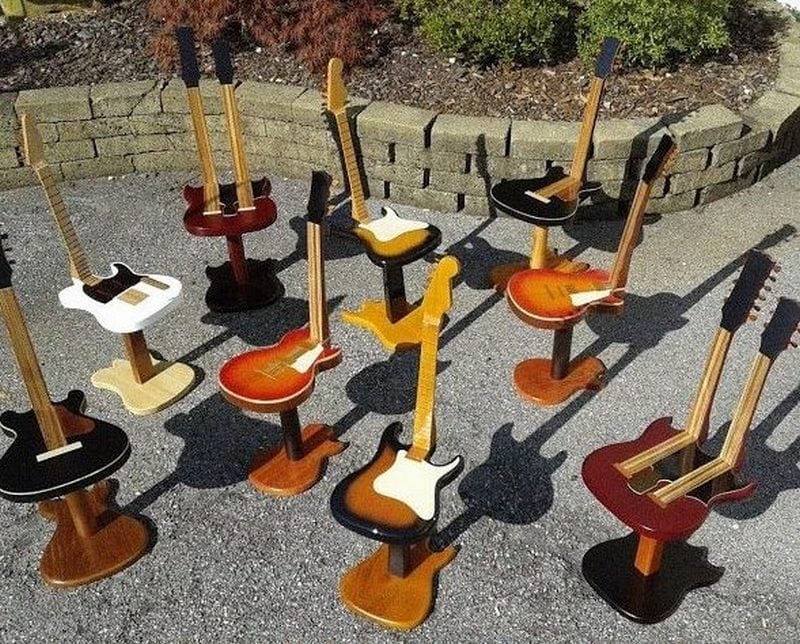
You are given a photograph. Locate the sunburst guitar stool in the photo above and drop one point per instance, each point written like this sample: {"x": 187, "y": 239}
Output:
{"x": 390, "y": 241}
{"x": 552, "y": 200}
{"x": 124, "y": 302}
{"x": 228, "y": 210}
{"x": 279, "y": 377}
{"x": 395, "y": 497}
{"x": 663, "y": 486}
{"x": 550, "y": 299}
{"x": 58, "y": 452}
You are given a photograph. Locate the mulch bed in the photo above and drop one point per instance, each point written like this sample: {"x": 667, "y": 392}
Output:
{"x": 112, "y": 44}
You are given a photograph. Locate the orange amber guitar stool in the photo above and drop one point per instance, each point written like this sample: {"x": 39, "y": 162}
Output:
{"x": 663, "y": 486}
{"x": 278, "y": 378}
{"x": 555, "y": 300}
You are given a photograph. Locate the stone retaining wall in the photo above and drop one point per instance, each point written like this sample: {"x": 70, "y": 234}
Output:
{"x": 411, "y": 156}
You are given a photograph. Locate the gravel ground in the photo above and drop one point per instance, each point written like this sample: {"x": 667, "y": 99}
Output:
{"x": 113, "y": 45}
{"x": 229, "y": 563}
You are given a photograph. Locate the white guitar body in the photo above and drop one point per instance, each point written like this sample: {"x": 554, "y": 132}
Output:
{"x": 120, "y": 316}
{"x": 391, "y": 225}
{"x": 414, "y": 483}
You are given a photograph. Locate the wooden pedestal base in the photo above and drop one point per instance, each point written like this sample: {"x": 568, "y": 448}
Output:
{"x": 371, "y": 590}
{"x": 91, "y": 541}
{"x": 534, "y": 381}
{"x": 170, "y": 381}
{"x": 609, "y": 568}
{"x": 255, "y": 288}
{"x": 401, "y": 335}
{"x": 297, "y": 464}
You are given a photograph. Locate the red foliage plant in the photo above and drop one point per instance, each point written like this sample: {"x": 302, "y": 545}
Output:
{"x": 314, "y": 29}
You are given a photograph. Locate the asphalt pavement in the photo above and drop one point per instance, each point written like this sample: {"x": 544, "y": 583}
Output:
{"x": 229, "y": 563}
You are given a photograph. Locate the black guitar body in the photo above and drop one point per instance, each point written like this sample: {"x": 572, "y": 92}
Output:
{"x": 225, "y": 295}
{"x": 104, "y": 449}
{"x": 107, "y": 289}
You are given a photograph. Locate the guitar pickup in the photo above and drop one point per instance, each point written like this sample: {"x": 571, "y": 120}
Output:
{"x": 132, "y": 296}
{"x": 154, "y": 283}
{"x": 58, "y": 451}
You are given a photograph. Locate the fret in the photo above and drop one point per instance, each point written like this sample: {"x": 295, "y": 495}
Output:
{"x": 424, "y": 427}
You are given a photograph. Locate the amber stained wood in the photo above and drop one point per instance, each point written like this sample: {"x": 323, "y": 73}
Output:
{"x": 534, "y": 382}
{"x": 205, "y": 155}
{"x": 648, "y": 555}
{"x": 138, "y": 355}
{"x": 241, "y": 172}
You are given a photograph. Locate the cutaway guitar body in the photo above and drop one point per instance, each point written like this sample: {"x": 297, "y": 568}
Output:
{"x": 95, "y": 449}
{"x": 231, "y": 221}
{"x": 534, "y": 381}
{"x": 392, "y": 237}
{"x": 278, "y": 377}
{"x": 92, "y": 541}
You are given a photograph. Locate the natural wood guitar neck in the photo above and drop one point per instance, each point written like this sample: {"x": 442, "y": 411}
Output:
{"x": 241, "y": 172}
{"x": 586, "y": 132}
{"x": 358, "y": 208}
{"x": 423, "y": 440}
{"x": 46, "y": 415}
{"x": 633, "y": 225}
{"x": 204, "y": 152}
{"x": 317, "y": 302}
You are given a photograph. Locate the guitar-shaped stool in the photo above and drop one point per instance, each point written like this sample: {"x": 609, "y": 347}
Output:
{"x": 390, "y": 241}
{"x": 279, "y": 377}
{"x": 228, "y": 210}
{"x": 124, "y": 302}
{"x": 57, "y": 452}
{"x": 552, "y": 200}
{"x": 395, "y": 497}
{"x": 663, "y": 486}
{"x": 551, "y": 299}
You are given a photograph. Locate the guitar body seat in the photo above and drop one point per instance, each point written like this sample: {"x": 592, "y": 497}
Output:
{"x": 230, "y": 222}
{"x": 431, "y": 241}
{"x": 512, "y": 198}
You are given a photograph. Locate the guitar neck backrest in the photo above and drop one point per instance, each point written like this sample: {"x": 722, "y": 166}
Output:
{"x": 241, "y": 171}
{"x": 603, "y": 68}
{"x": 190, "y": 73}
{"x": 317, "y": 301}
{"x": 657, "y": 165}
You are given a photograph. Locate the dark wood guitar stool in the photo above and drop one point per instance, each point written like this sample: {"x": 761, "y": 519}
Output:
{"x": 394, "y": 321}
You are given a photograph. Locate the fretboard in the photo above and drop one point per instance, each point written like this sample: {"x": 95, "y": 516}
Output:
{"x": 587, "y": 129}
{"x": 204, "y": 153}
{"x": 423, "y": 440}
{"x": 633, "y": 225}
{"x": 43, "y": 409}
{"x": 317, "y": 304}
{"x": 358, "y": 203}
{"x": 244, "y": 189}
{"x": 79, "y": 264}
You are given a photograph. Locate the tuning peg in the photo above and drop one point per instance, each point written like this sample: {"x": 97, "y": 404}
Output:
{"x": 767, "y": 288}
{"x": 752, "y": 317}
{"x": 778, "y": 268}
{"x": 756, "y": 307}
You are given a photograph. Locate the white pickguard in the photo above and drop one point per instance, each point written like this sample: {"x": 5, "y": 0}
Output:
{"x": 118, "y": 316}
{"x": 305, "y": 361}
{"x": 413, "y": 483}
{"x": 391, "y": 225}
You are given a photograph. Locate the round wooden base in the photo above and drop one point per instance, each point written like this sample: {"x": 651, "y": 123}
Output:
{"x": 225, "y": 295}
{"x": 394, "y": 336}
{"x": 609, "y": 569}
{"x": 370, "y": 590}
{"x": 533, "y": 381}
{"x": 273, "y": 472}
{"x": 73, "y": 560}
{"x": 170, "y": 382}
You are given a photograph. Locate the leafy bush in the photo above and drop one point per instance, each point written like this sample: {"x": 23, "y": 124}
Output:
{"x": 314, "y": 29}
{"x": 486, "y": 31}
{"x": 654, "y": 32}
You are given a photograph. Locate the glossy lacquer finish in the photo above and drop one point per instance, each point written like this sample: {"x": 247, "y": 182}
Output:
{"x": 231, "y": 221}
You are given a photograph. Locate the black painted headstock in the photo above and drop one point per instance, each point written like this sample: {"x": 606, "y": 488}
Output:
{"x": 190, "y": 73}
{"x": 758, "y": 267}
{"x": 605, "y": 61}
{"x": 785, "y": 321}
{"x": 318, "y": 199}
{"x": 222, "y": 61}
{"x": 5, "y": 264}
{"x": 662, "y": 159}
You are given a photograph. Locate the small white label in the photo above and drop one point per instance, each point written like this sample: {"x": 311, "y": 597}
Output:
{"x": 58, "y": 451}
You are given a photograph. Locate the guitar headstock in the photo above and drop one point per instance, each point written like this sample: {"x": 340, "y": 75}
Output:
{"x": 439, "y": 292}
{"x": 5, "y": 264}
{"x": 32, "y": 142}
{"x": 318, "y": 199}
{"x": 337, "y": 92}
{"x": 605, "y": 61}
{"x": 662, "y": 159}
{"x": 785, "y": 322}
{"x": 222, "y": 61}
{"x": 189, "y": 70}
{"x": 758, "y": 267}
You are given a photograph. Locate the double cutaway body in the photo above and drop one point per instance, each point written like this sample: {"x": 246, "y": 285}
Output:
{"x": 231, "y": 220}
{"x": 125, "y": 301}
{"x": 30, "y": 472}
{"x": 357, "y": 506}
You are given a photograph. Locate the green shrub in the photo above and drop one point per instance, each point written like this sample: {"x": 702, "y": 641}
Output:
{"x": 654, "y": 31}
{"x": 486, "y": 31}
